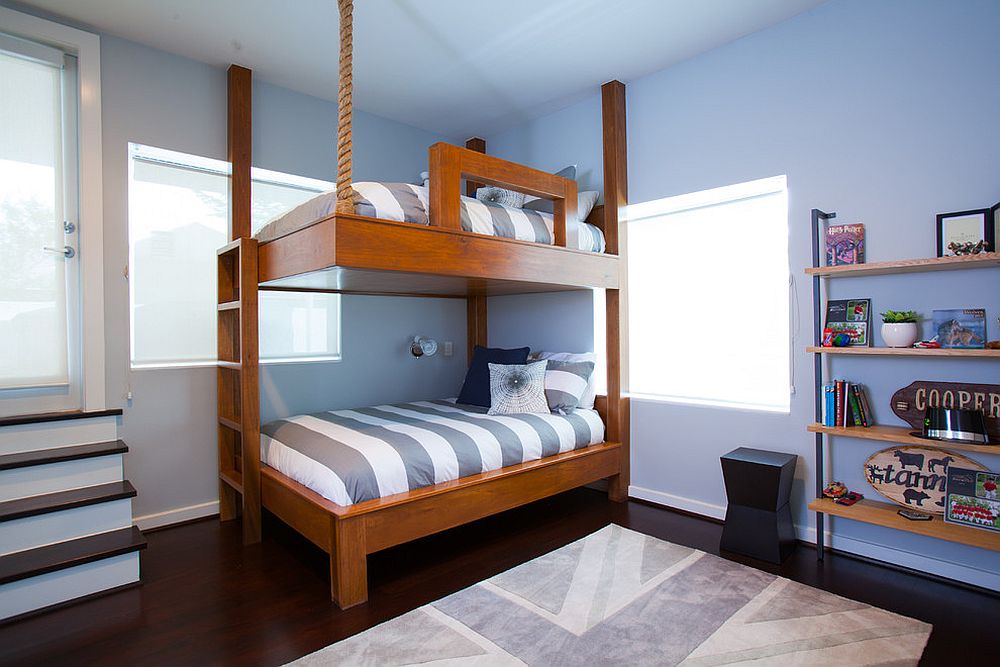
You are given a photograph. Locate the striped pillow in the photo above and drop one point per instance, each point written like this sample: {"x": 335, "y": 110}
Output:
{"x": 565, "y": 384}
{"x": 587, "y": 402}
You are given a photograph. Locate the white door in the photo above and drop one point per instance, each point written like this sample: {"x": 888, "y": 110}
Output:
{"x": 40, "y": 340}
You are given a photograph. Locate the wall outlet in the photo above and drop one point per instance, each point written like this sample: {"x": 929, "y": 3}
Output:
{"x": 449, "y": 348}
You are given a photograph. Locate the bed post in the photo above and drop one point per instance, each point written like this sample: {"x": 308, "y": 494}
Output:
{"x": 615, "y": 201}
{"x": 238, "y": 402}
{"x": 477, "y": 144}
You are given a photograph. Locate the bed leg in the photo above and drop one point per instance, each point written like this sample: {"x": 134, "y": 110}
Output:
{"x": 617, "y": 490}
{"x": 348, "y": 562}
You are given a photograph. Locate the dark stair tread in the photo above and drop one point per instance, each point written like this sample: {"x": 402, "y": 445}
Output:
{"x": 33, "y": 562}
{"x": 60, "y": 454}
{"x": 64, "y": 500}
{"x": 66, "y": 415}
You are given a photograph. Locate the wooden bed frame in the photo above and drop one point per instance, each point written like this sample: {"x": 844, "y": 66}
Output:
{"x": 352, "y": 254}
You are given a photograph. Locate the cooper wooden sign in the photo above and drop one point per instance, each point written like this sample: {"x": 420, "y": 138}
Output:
{"x": 914, "y": 477}
{"x": 909, "y": 403}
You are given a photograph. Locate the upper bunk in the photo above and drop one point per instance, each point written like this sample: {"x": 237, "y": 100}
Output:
{"x": 352, "y": 253}
{"x": 348, "y": 252}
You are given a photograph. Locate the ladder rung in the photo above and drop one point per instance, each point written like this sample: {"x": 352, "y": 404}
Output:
{"x": 229, "y": 305}
{"x": 233, "y": 478}
{"x": 229, "y": 423}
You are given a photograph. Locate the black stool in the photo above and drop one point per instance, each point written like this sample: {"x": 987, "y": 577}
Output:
{"x": 758, "y": 519}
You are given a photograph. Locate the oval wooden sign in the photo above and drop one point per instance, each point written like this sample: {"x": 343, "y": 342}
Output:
{"x": 915, "y": 477}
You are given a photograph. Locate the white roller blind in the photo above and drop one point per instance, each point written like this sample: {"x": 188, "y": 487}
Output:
{"x": 178, "y": 218}
{"x": 709, "y": 298}
{"x": 33, "y": 282}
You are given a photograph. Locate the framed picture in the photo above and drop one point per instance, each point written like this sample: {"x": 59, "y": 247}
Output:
{"x": 965, "y": 227}
{"x": 995, "y": 217}
{"x": 850, "y": 316}
{"x": 960, "y": 327}
{"x": 971, "y": 498}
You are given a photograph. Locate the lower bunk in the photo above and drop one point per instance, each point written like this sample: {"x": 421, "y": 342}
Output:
{"x": 357, "y": 456}
{"x": 349, "y": 534}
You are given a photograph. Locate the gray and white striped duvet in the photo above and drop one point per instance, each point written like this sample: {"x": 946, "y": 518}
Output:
{"x": 349, "y": 456}
{"x": 404, "y": 202}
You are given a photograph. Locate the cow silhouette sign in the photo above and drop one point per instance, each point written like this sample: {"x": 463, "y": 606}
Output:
{"x": 914, "y": 477}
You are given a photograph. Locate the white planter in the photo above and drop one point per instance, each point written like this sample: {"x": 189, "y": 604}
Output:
{"x": 903, "y": 334}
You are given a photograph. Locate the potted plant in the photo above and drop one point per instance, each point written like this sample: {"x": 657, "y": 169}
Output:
{"x": 899, "y": 328}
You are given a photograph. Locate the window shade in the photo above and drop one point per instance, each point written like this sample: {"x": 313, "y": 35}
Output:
{"x": 709, "y": 297}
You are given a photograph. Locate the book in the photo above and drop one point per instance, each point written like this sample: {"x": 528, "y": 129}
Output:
{"x": 839, "y": 403}
{"x": 858, "y": 406}
{"x": 971, "y": 498}
{"x": 855, "y": 407}
{"x": 960, "y": 327}
{"x": 845, "y": 244}
{"x": 829, "y": 402}
{"x": 866, "y": 410}
{"x": 850, "y": 316}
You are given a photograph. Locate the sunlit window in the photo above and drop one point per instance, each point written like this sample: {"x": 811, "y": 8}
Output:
{"x": 709, "y": 297}
{"x": 178, "y": 218}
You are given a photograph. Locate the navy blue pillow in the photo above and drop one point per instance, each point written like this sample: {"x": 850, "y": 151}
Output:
{"x": 476, "y": 390}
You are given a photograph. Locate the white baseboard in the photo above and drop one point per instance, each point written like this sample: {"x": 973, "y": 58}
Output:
{"x": 178, "y": 515}
{"x": 948, "y": 569}
{"x": 678, "y": 502}
{"x": 943, "y": 568}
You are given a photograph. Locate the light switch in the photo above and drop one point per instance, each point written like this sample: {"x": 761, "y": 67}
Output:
{"x": 449, "y": 348}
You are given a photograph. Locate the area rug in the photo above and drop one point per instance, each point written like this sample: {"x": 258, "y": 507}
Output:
{"x": 618, "y": 597}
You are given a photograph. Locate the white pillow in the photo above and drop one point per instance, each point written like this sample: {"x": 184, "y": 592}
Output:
{"x": 587, "y": 400}
{"x": 585, "y": 202}
{"x": 518, "y": 389}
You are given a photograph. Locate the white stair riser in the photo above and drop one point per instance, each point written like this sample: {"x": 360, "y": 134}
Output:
{"x": 37, "y": 480}
{"x": 38, "y": 531}
{"x": 48, "y": 435}
{"x": 20, "y": 597}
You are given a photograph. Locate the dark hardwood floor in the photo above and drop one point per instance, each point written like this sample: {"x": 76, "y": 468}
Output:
{"x": 207, "y": 600}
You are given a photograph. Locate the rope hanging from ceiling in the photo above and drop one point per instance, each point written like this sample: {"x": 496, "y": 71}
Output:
{"x": 345, "y": 108}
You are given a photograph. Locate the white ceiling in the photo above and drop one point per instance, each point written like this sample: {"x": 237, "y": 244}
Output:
{"x": 456, "y": 67}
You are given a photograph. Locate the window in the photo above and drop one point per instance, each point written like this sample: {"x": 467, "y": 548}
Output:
{"x": 178, "y": 218}
{"x": 708, "y": 290}
{"x": 37, "y": 182}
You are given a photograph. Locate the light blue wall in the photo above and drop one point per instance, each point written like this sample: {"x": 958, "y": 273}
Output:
{"x": 530, "y": 319}
{"x": 883, "y": 111}
{"x": 163, "y": 100}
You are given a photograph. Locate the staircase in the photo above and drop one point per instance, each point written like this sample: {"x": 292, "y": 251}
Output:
{"x": 65, "y": 511}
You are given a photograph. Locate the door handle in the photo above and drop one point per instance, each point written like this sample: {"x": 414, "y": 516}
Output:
{"x": 66, "y": 251}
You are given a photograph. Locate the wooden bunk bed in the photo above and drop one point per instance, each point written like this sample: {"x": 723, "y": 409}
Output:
{"x": 352, "y": 254}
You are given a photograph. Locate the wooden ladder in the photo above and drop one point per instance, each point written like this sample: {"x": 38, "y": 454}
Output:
{"x": 238, "y": 393}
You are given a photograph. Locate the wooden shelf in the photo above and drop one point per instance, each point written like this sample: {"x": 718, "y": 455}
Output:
{"x": 906, "y": 351}
{"x": 987, "y": 260}
{"x": 884, "y": 514}
{"x": 900, "y": 435}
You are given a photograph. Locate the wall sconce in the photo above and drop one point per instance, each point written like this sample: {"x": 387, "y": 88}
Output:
{"x": 423, "y": 347}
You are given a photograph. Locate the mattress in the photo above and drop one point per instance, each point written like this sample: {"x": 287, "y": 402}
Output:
{"x": 404, "y": 202}
{"x": 349, "y": 456}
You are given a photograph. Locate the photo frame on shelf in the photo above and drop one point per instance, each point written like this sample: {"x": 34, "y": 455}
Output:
{"x": 848, "y": 316}
{"x": 995, "y": 217}
{"x": 966, "y": 227}
{"x": 960, "y": 327}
